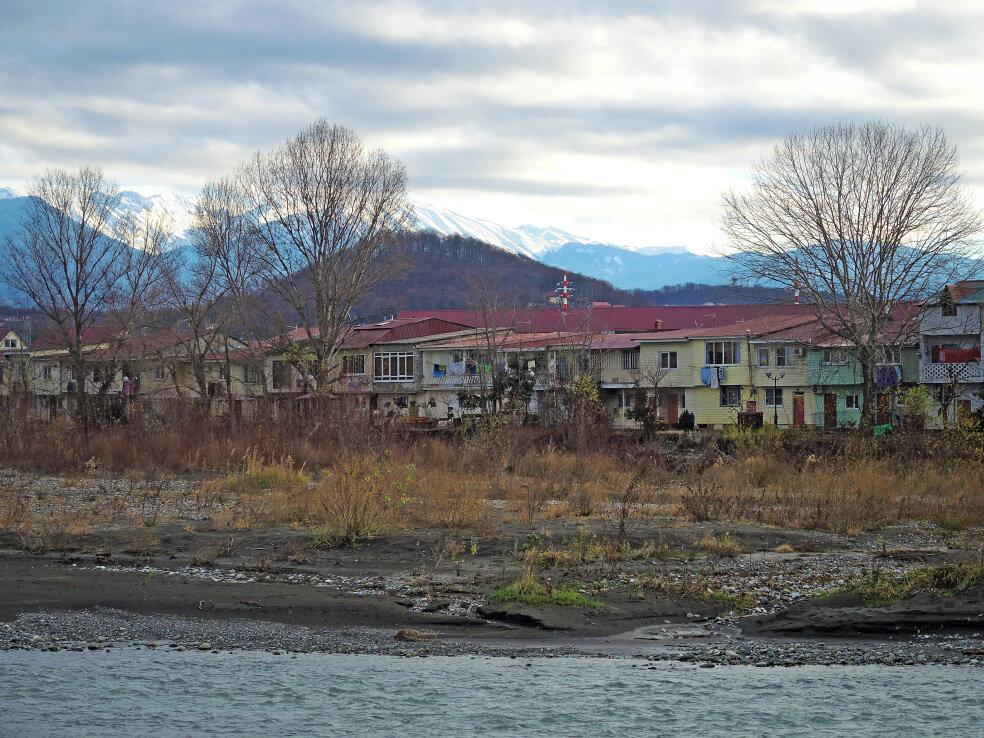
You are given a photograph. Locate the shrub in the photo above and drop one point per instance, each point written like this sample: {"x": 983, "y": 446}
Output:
{"x": 686, "y": 421}
{"x": 358, "y": 500}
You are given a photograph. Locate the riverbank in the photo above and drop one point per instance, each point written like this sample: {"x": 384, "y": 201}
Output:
{"x": 52, "y": 604}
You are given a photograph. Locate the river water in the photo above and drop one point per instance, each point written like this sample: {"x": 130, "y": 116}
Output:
{"x": 150, "y": 693}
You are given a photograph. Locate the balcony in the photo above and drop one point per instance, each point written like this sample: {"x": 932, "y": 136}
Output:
{"x": 457, "y": 381}
{"x": 951, "y": 371}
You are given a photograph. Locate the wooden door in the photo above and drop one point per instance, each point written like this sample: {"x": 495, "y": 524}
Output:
{"x": 672, "y": 409}
{"x": 799, "y": 409}
{"x": 963, "y": 409}
{"x": 884, "y": 415}
{"x": 830, "y": 411}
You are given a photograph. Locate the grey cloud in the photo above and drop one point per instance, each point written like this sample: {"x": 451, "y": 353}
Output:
{"x": 183, "y": 91}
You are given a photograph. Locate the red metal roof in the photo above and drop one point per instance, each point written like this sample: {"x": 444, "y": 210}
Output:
{"x": 611, "y": 319}
{"x": 53, "y": 338}
{"x": 387, "y": 331}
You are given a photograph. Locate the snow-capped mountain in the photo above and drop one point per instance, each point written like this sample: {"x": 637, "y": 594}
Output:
{"x": 528, "y": 240}
{"x": 179, "y": 208}
{"x": 625, "y": 267}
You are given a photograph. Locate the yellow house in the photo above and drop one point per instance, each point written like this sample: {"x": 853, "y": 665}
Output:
{"x": 717, "y": 373}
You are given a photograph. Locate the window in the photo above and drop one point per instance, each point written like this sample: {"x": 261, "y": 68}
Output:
{"x": 667, "y": 359}
{"x": 683, "y": 401}
{"x": 763, "y": 357}
{"x": 782, "y": 357}
{"x": 630, "y": 360}
{"x": 773, "y": 396}
{"x": 834, "y": 356}
{"x": 852, "y": 402}
{"x": 281, "y": 375}
{"x": 730, "y": 395}
{"x": 46, "y": 372}
{"x": 393, "y": 367}
{"x": 948, "y": 310}
{"x": 889, "y": 355}
{"x": 10, "y": 343}
{"x": 722, "y": 352}
{"x": 354, "y": 364}
{"x": 159, "y": 373}
{"x": 252, "y": 374}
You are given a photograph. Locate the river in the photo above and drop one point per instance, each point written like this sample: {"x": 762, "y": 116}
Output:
{"x": 128, "y": 692}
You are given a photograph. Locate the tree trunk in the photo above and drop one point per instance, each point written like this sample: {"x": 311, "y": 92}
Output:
{"x": 870, "y": 392}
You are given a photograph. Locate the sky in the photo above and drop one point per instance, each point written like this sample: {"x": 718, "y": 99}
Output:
{"x": 619, "y": 121}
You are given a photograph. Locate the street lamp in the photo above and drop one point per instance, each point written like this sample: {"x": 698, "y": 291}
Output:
{"x": 775, "y": 388}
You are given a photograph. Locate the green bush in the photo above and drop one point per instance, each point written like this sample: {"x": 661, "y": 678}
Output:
{"x": 687, "y": 421}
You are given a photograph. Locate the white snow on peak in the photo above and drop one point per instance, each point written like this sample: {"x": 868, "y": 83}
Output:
{"x": 529, "y": 240}
{"x": 7, "y": 194}
{"x": 179, "y": 208}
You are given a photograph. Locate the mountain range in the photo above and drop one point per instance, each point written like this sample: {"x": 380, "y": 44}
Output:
{"x": 625, "y": 267}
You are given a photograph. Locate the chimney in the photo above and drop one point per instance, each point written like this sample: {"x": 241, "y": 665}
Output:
{"x": 659, "y": 325}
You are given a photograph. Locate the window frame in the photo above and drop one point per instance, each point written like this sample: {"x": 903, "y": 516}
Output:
{"x": 668, "y": 360}
{"x": 948, "y": 310}
{"x": 278, "y": 369}
{"x": 712, "y": 354}
{"x": 783, "y": 352}
{"x": 776, "y": 393}
{"x": 159, "y": 374}
{"x": 630, "y": 360}
{"x": 759, "y": 353}
{"x": 393, "y": 366}
{"x": 725, "y": 395}
{"x": 828, "y": 353}
{"x": 852, "y": 401}
{"x": 358, "y": 359}
{"x": 46, "y": 372}
{"x": 252, "y": 374}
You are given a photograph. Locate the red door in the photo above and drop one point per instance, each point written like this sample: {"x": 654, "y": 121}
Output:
{"x": 884, "y": 415}
{"x": 963, "y": 409}
{"x": 672, "y": 409}
{"x": 799, "y": 409}
{"x": 830, "y": 411}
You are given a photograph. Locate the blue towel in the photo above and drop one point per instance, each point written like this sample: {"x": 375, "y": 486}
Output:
{"x": 705, "y": 375}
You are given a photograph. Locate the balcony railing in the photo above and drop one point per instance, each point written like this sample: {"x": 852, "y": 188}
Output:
{"x": 942, "y": 373}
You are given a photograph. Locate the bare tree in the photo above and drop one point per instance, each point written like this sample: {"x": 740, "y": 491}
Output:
{"x": 866, "y": 220}
{"x": 649, "y": 376}
{"x": 227, "y": 247}
{"x": 330, "y": 220}
{"x": 80, "y": 265}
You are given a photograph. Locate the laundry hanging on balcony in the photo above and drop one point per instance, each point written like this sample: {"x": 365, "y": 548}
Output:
{"x": 888, "y": 376}
{"x": 705, "y": 374}
{"x": 959, "y": 356}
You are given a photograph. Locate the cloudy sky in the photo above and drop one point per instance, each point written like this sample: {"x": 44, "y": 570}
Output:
{"x": 622, "y": 121}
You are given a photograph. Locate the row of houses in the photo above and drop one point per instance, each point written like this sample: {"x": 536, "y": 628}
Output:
{"x": 717, "y": 362}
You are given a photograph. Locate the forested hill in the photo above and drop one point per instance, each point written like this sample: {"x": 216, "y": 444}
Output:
{"x": 443, "y": 270}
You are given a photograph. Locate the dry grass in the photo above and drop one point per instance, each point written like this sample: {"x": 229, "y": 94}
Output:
{"x": 353, "y": 480}
{"x": 722, "y": 546}
{"x": 451, "y": 501}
